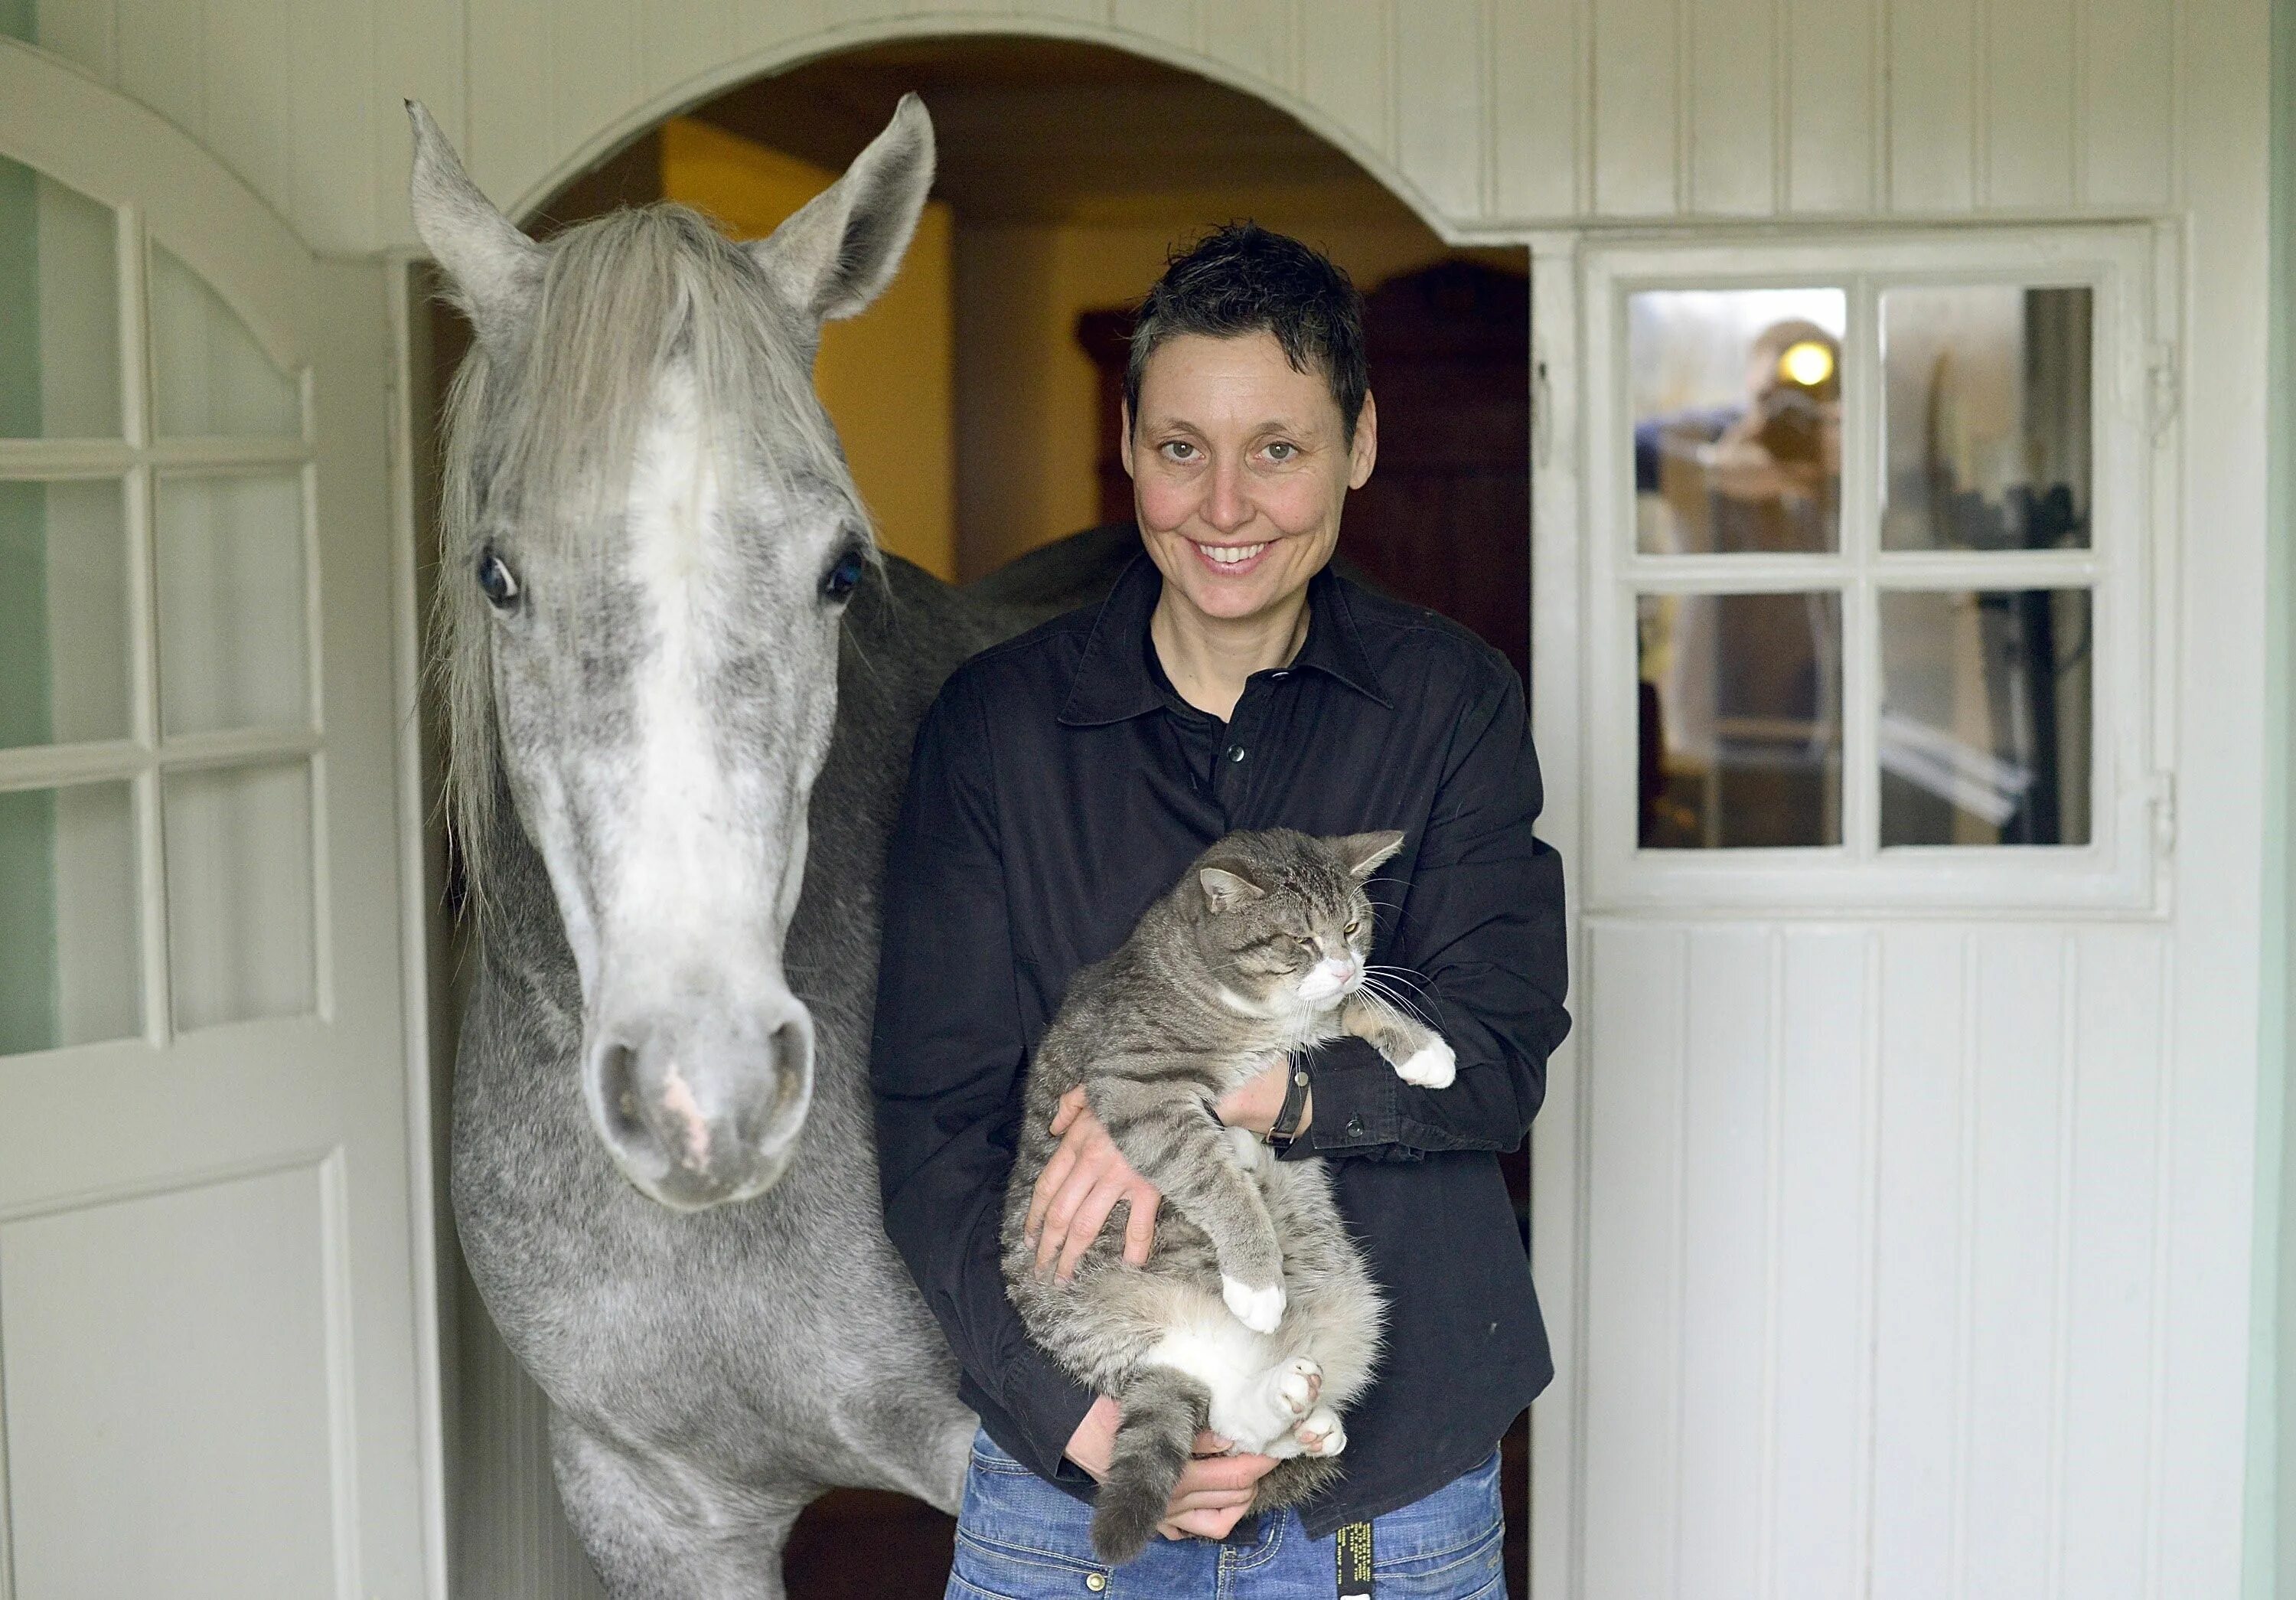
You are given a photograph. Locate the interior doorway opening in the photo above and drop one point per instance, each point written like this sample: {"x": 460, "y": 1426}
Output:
{"x": 977, "y": 404}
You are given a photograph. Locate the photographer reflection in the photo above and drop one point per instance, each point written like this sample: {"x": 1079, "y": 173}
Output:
{"x": 1762, "y": 475}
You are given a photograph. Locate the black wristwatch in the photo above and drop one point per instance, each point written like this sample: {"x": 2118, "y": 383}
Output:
{"x": 1286, "y": 1126}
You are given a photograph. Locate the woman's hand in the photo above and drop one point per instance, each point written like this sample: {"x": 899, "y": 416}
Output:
{"x": 1214, "y": 1490}
{"x": 1078, "y": 1187}
{"x": 1253, "y": 1105}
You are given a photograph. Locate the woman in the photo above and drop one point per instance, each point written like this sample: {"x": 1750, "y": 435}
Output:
{"x": 1060, "y": 783}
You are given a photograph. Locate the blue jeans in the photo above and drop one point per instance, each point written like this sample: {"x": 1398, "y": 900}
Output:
{"x": 1019, "y": 1538}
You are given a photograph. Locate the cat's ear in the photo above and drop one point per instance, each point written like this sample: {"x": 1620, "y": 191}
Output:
{"x": 1225, "y": 889}
{"x": 1364, "y": 852}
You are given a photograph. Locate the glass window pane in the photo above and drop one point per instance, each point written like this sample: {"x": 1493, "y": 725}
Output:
{"x": 1985, "y": 409}
{"x": 232, "y": 604}
{"x": 1984, "y": 731}
{"x": 208, "y": 376}
{"x": 239, "y": 892}
{"x": 1737, "y": 399}
{"x": 59, "y": 372}
{"x": 63, "y": 613}
{"x": 1741, "y": 720}
{"x": 70, "y": 972}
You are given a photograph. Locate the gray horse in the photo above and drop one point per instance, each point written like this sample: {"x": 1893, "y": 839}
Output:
{"x": 682, "y": 690}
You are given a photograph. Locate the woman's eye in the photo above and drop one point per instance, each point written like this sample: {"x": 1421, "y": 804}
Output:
{"x": 496, "y": 581}
{"x": 1179, "y": 449}
{"x": 839, "y": 581}
{"x": 1282, "y": 451}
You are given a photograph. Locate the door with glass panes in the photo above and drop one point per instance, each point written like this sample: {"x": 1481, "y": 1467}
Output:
{"x": 207, "y": 1268}
{"x": 1860, "y": 1167}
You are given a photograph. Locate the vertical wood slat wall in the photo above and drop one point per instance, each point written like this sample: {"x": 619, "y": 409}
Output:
{"x": 1499, "y": 113}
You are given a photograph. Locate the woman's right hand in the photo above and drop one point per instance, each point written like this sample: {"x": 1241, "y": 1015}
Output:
{"x": 1214, "y": 1490}
{"x": 1079, "y": 1186}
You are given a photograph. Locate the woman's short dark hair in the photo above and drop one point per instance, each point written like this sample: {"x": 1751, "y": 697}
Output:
{"x": 1242, "y": 279}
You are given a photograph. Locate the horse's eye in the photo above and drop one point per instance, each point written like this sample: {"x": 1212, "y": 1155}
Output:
{"x": 839, "y": 580}
{"x": 495, "y": 582}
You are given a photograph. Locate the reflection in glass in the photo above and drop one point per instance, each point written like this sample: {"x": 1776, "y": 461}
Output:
{"x": 1985, "y": 730}
{"x": 232, "y": 604}
{"x": 64, "y": 613}
{"x": 1737, "y": 407}
{"x": 1741, "y": 720}
{"x": 60, "y": 372}
{"x": 70, "y": 972}
{"x": 239, "y": 892}
{"x": 1986, "y": 410}
{"x": 208, "y": 375}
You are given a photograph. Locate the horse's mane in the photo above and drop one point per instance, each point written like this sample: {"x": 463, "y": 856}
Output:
{"x": 540, "y": 430}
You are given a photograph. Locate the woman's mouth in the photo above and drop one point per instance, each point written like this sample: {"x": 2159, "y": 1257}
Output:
{"x": 1232, "y": 560}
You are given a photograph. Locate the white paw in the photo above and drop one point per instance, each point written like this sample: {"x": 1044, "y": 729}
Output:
{"x": 1321, "y": 1434}
{"x": 1297, "y": 1382}
{"x": 1258, "y": 1310}
{"x": 1432, "y": 1067}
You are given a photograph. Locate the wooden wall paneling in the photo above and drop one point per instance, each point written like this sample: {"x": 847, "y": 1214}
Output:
{"x": 512, "y": 139}
{"x": 1924, "y": 1213}
{"x": 1635, "y": 1338}
{"x": 1346, "y": 70}
{"x": 418, "y": 56}
{"x": 2102, "y": 1441}
{"x": 249, "y": 84}
{"x": 162, "y": 62}
{"x": 2020, "y": 1086}
{"x": 1439, "y": 130}
{"x": 1834, "y": 78}
{"x": 595, "y": 75}
{"x": 1258, "y": 36}
{"x": 1931, "y": 144}
{"x": 1538, "y": 154}
{"x": 1637, "y": 59}
{"x": 2029, "y": 64}
{"x": 1815, "y": 1440}
{"x": 333, "y": 128}
{"x": 2128, "y": 113}
{"x": 84, "y": 32}
{"x": 1734, "y": 105}
{"x": 1174, "y": 22}
{"x": 1727, "y": 1385}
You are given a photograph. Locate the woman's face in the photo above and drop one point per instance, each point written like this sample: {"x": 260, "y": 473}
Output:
{"x": 1239, "y": 465}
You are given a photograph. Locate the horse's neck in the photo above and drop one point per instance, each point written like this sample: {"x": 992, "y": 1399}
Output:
{"x": 522, "y": 936}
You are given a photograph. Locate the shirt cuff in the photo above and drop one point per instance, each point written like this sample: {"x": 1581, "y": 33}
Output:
{"x": 1046, "y": 1405}
{"x": 1356, "y": 1108}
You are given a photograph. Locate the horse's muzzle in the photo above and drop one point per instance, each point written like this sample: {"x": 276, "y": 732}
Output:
{"x": 703, "y": 1110}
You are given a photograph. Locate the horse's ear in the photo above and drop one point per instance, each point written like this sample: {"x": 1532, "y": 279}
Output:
{"x": 495, "y": 270}
{"x": 838, "y": 253}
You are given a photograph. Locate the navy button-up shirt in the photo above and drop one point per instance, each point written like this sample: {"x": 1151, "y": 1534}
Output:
{"x": 1058, "y": 787}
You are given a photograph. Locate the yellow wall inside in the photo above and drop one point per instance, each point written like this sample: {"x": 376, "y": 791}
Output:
{"x": 886, "y": 376}
{"x": 1027, "y": 395}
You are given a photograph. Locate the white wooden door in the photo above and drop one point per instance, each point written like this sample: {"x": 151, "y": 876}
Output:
{"x": 206, "y": 1249}
{"x": 1856, "y": 1192}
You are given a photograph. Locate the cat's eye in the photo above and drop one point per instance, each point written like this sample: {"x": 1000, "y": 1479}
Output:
{"x": 1350, "y": 929}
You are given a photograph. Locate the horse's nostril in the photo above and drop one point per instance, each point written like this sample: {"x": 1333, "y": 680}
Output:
{"x": 618, "y": 1090}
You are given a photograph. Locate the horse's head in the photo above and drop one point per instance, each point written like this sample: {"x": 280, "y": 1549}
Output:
{"x": 649, "y": 534}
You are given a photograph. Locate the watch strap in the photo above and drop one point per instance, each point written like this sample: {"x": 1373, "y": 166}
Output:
{"x": 1286, "y": 1126}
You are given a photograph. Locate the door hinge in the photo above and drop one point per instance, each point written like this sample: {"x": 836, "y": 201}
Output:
{"x": 2163, "y": 388}
{"x": 2162, "y": 792}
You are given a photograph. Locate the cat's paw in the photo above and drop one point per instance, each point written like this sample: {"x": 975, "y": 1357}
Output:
{"x": 1297, "y": 1384}
{"x": 1431, "y": 1066}
{"x": 1321, "y": 1433}
{"x": 1258, "y": 1310}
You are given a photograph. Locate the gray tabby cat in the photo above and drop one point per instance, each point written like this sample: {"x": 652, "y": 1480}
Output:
{"x": 1254, "y": 1316}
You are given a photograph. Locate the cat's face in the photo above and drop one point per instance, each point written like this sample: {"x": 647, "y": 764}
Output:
{"x": 1284, "y": 919}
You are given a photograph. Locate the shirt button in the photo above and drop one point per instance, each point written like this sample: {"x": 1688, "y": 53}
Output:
{"x": 1235, "y": 752}
{"x": 1355, "y": 1128}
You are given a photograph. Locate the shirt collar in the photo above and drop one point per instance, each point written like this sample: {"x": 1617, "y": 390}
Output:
{"x": 1113, "y": 681}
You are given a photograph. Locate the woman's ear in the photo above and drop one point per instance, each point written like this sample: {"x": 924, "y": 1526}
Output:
{"x": 1363, "y": 453}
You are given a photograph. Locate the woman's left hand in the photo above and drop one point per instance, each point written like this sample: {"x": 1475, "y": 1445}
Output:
{"x": 1253, "y": 1105}
{"x": 1079, "y": 1186}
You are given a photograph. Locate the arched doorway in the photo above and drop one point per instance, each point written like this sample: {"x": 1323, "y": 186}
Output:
{"x": 975, "y": 413}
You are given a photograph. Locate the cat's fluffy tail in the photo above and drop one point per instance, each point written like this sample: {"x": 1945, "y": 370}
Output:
{"x": 1163, "y": 1411}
